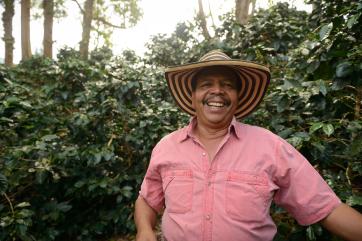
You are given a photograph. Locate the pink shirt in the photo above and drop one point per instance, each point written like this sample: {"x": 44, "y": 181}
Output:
{"x": 229, "y": 197}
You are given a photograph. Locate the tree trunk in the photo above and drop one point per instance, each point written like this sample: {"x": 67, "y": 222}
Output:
{"x": 202, "y": 18}
{"x": 8, "y": 38}
{"x": 242, "y": 11}
{"x": 48, "y": 6}
{"x": 253, "y": 3}
{"x": 25, "y": 29}
{"x": 87, "y": 24}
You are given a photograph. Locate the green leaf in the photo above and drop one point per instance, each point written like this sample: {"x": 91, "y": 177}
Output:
{"x": 97, "y": 158}
{"x": 355, "y": 148}
{"x": 23, "y": 204}
{"x": 353, "y": 20}
{"x": 328, "y": 129}
{"x": 322, "y": 87}
{"x": 344, "y": 69}
{"x": 295, "y": 141}
{"x": 282, "y": 104}
{"x": 25, "y": 104}
{"x": 4, "y": 119}
{"x": 305, "y": 51}
{"x": 325, "y": 31}
{"x": 310, "y": 233}
{"x": 21, "y": 229}
{"x": 313, "y": 66}
{"x": 127, "y": 191}
{"x": 103, "y": 183}
{"x": 354, "y": 200}
{"x": 315, "y": 127}
{"x": 49, "y": 137}
{"x": 3, "y": 183}
{"x": 41, "y": 176}
{"x": 64, "y": 207}
{"x": 79, "y": 184}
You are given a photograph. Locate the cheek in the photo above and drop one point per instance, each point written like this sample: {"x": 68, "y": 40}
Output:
{"x": 235, "y": 98}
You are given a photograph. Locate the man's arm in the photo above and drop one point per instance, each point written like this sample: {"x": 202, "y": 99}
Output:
{"x": 345, "y": 222}
{"x": 145, "y": 219}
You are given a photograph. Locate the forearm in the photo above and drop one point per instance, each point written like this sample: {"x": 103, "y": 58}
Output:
{"x": 345, "y": 222}
{"x": 145, "y": 216}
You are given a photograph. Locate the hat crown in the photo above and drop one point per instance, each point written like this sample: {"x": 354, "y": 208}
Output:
{"x": 214, "y": 55}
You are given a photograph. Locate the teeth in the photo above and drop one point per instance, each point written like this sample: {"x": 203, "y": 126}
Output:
{"x": 215, "y": 104}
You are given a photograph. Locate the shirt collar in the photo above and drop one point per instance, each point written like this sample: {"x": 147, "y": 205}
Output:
{"x": 187, "y": 132}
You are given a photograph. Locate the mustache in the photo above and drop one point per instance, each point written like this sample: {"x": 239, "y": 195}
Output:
{"x": 221, "y": 96}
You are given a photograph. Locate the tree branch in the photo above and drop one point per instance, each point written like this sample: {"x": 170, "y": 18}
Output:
{"x": 99, "y": 19}
{"x": 79, "y": 6}
{"x": 104, "y": 21}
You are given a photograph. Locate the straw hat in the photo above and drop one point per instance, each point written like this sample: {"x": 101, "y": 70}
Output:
{"x": 254, "y": 80}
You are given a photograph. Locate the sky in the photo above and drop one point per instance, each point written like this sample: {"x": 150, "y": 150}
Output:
{"x": 159, "y": 16}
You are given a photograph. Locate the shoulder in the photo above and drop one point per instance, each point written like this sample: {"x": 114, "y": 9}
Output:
{"x": 171, "y": 138}
{"x": 256, "y": 132}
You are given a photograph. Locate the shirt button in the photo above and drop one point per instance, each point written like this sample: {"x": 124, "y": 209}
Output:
{"x": 207, "y": 217}
{"x": 204, "y": 154}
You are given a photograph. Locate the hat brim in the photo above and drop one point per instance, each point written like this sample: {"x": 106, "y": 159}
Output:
{"x": 254, "y": 79}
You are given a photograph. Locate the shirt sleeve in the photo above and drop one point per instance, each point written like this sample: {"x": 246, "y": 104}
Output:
{"x": 302, "y": 191}
{"x": 151, "y": 188}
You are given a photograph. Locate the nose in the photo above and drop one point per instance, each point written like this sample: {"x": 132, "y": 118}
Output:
{"x": 217, "y": 88}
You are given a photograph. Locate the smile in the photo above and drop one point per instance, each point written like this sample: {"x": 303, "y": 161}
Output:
{"x": 215, "y": 104}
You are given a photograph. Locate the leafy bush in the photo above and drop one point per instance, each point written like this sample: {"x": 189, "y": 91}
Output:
{"x": 76, "y": 135}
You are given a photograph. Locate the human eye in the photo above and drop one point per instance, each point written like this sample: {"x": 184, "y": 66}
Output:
{"x": 229, "y": 84}
{"x": 205, "y": 84}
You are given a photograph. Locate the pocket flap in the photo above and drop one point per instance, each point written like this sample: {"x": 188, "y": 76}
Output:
{"x": 177, "y": 172}
{"x": 245, "y": 177}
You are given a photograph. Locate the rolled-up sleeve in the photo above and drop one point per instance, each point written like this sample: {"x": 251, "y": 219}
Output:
{"x": 151, "y": 188}
{"x": 302, "y": 191}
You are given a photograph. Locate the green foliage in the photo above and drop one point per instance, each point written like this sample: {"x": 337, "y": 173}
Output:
{"x": 316, "y": 104}
{"x": 128, "y": 14}
{"x": 60, "y": 10}
{"x": 76, "y": 135}
{"x": 176, "y": 49}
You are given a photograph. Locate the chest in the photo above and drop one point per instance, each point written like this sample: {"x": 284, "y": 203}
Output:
{"x": 211, "y": 148}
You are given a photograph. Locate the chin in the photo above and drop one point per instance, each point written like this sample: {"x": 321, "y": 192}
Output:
{"x": 217, "y": 119}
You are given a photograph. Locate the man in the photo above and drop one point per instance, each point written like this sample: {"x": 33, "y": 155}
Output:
{"x": 216, "y": 178}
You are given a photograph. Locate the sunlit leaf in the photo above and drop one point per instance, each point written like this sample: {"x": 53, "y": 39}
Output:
{"x": 310, "y": 234}
{"x": 23, "y": 204}
{"x": 325, "y": 31}
{"x": 353, "y": 20}
{"x": 328, "y": 129}
{"x": 315, "y": 127}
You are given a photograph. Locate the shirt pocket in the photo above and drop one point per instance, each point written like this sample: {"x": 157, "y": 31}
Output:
{"x": 178, "y": 190}
{"x": 246, "y": 196}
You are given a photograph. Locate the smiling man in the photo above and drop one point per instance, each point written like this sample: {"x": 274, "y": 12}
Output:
{"x": 216, "y": 178}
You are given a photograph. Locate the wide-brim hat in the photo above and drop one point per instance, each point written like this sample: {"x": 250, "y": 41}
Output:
{"x": 254, "y": 80}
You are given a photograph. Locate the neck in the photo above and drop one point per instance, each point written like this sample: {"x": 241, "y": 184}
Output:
{"x": 211, "y": 132}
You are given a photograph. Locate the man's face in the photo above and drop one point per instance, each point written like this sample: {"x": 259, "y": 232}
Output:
{"x": 215, "y": 97}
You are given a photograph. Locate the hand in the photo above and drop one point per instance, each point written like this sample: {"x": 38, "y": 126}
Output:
{"x": 146, "y": 236}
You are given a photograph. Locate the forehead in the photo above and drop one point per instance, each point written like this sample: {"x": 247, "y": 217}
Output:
{"x": 222, "y": 71}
